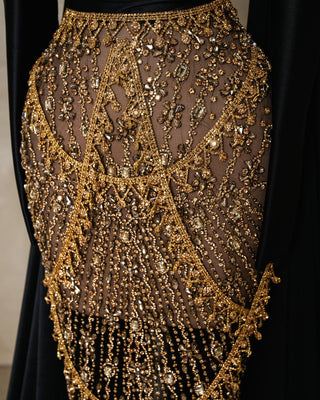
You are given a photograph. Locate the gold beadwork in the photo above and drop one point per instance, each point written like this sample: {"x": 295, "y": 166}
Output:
{"x": 145, "y": 142}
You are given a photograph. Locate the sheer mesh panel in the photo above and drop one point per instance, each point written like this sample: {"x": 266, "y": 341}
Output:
{"x": 146, "y": 145}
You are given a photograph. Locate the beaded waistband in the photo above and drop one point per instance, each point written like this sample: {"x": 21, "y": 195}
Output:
{"x": 132, "y": 13}
{"x": 138, "y": 6}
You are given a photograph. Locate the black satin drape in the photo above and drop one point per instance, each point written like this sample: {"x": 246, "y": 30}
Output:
{"x": 286, "y": 363}
{"x": 36, "y": 371}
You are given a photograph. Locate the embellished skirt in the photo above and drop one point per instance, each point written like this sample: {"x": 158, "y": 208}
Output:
{"x": 145, "y": 143}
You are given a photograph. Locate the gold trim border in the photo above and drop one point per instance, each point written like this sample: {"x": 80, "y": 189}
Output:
{"x": 155, "y": 15}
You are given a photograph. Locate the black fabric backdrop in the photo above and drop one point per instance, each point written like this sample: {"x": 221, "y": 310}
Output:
{"x": 286, "y": 363}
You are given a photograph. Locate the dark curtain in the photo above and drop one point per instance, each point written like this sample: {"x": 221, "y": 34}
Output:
{"x": 285, "y": 364}
{"x": 36, "y": 371}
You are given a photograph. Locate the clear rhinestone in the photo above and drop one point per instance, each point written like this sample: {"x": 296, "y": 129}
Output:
{"x": 199, "y": 112}
{"x": 125, "y": 236}
{"x": 134, "y": 324}
{"x": 57, "y": 207}
{"x": 49, "y": 103}
{"x": 164, "y": 158}
{"x": 168, "y": 229}
{"x": 218, "y": 352}
{"x": 198, "y": 224}
{"x": 199, "y": 389}
{"x": 84, "y": 376}
{"x": 108, "y": 370}
{"x": 111, "y": 170}
{"x": 95, "y": 81}
{"x": 235, "y": 244}
{"x": 67, "y": 335}
{"x": 234, "y": 213}
{"x": 169, "y": 378}
{"x": 125, "y": 172}
{"x": 161, "y": 266}
{"x": 182, "y": 72}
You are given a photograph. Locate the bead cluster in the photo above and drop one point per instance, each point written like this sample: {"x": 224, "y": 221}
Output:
{"x": 145, "y": 142}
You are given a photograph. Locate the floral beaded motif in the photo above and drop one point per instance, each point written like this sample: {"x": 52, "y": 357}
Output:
{"x": 145, "y": 141}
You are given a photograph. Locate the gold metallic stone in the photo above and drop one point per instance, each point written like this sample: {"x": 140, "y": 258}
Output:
{"x": 111, "y": 170}
{"x": 214, "y": 143}
{"x": 125, "y": 236}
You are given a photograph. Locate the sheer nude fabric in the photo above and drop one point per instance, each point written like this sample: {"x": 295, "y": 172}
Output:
{"x": 146, "y": 146}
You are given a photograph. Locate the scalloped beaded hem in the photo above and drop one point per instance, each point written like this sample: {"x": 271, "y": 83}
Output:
{"x": 226, "y": 384}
